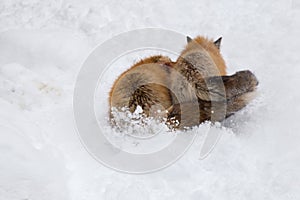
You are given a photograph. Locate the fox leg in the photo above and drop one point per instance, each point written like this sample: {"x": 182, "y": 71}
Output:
{"x": 188, "y": 114}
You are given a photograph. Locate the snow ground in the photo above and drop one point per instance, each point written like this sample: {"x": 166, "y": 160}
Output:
{"x": 42, "y": 46}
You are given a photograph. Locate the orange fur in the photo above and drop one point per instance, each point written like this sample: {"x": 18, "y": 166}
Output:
{"x": 149, "y": 75}
{"x": 210, "y": 47}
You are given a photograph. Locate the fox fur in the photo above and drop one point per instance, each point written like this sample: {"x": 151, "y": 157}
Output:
{"x": 191, "y": 90}
{"x": 145, "y": 84}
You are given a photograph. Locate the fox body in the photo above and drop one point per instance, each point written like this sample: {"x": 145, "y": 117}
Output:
{"x": 191, "y": 90}
{"x": 145, "y": 84}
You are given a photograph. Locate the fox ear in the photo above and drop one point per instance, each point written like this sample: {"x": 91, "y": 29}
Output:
{"x": 188, "y": 39}
{"x": 218, "y": 42}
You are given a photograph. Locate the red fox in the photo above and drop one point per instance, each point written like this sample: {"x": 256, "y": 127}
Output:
{"x": 191, "y": 90}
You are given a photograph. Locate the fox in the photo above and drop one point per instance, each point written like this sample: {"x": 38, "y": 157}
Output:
{"x": 193, "y": 89}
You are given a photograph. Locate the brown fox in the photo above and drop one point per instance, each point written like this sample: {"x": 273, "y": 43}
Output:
{"x": 191, "y": 90}
{"x": 145, "y": 84}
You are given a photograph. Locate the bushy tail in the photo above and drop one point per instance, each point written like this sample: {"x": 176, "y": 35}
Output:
{"x": 226, "y": 97}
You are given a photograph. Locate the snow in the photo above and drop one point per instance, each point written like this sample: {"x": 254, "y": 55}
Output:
{"x": 42, "y": 47}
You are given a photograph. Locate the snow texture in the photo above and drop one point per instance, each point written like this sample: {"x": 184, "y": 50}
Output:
{"x": 42, "y": 46}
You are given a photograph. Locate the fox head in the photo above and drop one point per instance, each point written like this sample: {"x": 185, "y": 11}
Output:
{"x": 211, "y": 46}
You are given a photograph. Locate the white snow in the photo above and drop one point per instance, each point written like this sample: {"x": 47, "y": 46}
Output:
{"x": 42, "y": 46}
